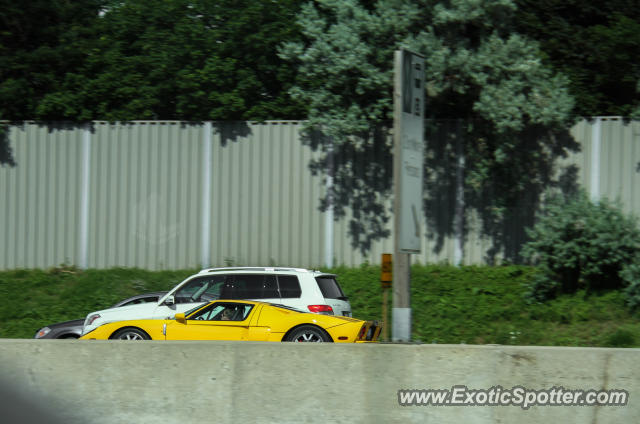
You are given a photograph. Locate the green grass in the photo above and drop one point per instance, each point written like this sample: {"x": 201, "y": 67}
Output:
{"x": 473, "y": 305}
{"x": 483, "y": 305}
{"x": 31, "y": 299}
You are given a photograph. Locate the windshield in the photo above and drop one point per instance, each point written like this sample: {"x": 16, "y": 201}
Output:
{"x": 192, "y": 310}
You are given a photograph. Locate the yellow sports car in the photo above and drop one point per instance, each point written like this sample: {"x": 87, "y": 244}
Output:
{"x": 243, "y": 320}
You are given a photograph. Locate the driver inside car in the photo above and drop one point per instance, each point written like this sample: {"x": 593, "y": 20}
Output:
{"x": 227, "y": 314}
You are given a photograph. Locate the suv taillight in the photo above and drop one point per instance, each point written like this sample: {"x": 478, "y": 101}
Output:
{"x": 321, "y": 309}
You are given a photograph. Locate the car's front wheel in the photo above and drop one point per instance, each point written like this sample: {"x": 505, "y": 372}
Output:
{"x": 308, "y": 333}
{"x": 130, "y": 334}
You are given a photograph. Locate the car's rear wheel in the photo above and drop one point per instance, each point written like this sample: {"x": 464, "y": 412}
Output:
{"x": 308, "y": 333}
{"x": 130, "y": 334}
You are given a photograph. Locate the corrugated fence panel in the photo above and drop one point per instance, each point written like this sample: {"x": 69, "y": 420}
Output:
{"x": 612, "y": 169}
{"x": 161, "y": 195}
{"x": 264, "y": 199}
{"x": 145, "y": 195}
{"x": 581, "y": 159}
{"x": 619, "y": 178}
{"x": 634, "y": 185}
{"x": 39, "y": 216}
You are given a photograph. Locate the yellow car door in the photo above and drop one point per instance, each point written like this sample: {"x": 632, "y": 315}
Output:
{"x": 218, "y": 321}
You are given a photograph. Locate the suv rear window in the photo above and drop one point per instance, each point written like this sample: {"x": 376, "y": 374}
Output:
{"x": 330, "y": 288}
{"x": 289, "y": 286}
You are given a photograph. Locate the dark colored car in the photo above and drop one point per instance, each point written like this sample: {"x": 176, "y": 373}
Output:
{"x": 73, "y": 329}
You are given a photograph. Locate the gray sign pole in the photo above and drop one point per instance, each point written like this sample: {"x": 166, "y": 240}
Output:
{"x": 407, "y": 180}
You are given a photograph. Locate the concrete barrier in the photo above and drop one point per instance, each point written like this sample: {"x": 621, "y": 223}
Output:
{"x": 106, "y": 382}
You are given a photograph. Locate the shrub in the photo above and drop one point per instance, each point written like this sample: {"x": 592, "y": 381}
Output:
{"x": 621, "y": 338}
{"x": 631, "y": 276}
{"x": 579, "y": 244}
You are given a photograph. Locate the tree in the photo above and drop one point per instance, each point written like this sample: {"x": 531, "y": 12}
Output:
{"x": 181, "y": 59}
{"x": 146, "y": 59}
{"x": 596, "y": 44}
{"x": 40, "y": 42}
{"x": 478, "y": 69}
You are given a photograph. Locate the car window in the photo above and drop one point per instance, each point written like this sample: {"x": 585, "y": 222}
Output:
{"x": 250, "y": 286}
{"x": 289, "y": 286}
{"x": 195, "y": 308}
{"x": 222, "y": 312}
{"x": 200, "y": 289}
{"x": 254, "y": 286}
{"x": 330, "y": 288}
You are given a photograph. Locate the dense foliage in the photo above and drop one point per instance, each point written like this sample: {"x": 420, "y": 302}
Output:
{"x": 40, "y": 43}
{"x": 580, "y": 244}
{"x": 630, "y": 274}
{"x": 473, "y": 305}
{"x": 89, "y": 59}
{"x": 595, "y": 44}
{"x": 146, "y": 59}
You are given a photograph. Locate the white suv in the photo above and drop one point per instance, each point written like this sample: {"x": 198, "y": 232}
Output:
{"x": 302, "y": 289}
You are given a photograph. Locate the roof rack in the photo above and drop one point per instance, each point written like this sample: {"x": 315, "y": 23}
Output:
{"x": 256, "y": 268}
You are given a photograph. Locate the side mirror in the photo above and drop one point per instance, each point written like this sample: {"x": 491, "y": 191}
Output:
{"x": 169, "y": 300}
{"x": 180, "y": 318}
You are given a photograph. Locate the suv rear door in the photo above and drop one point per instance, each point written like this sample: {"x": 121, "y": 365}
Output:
{"x": 333, "y": 294}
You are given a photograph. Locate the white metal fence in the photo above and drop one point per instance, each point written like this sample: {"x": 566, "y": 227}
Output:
{"x": 169, "y": 195}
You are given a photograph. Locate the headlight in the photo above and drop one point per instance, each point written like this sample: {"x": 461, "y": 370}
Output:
{"x": 42, "y": 332}
{"x": 91, "y": 319}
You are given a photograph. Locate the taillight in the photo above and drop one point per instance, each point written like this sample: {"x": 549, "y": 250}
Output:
{"x": 321, "y": 309}
{"x": 363, "y": 331}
